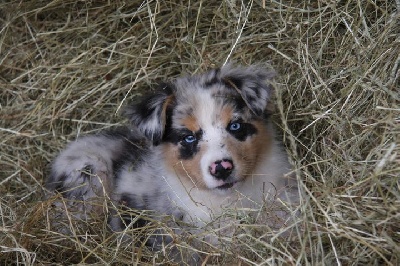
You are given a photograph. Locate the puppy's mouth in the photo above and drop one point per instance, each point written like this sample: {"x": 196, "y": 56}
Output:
{"x": 227, "y": 185}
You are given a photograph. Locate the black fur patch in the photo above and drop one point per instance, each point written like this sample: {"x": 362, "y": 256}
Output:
{"x": 132, "y": 201}
{"x": 215, "y": 79}
{"x": 246, "y": 130}
{"x": 251, "y": 85}
{"x": 87, "y": 172}
{"x": 131, "y": 156}
{"x": 177, "y": 137}
{"x": 232, "y": 82}
{"x": 58, "y": 185}
{"x": 239, "y": 103}
{"x": 148, "y": 110}
{"x": 134, "y": 144}
{"x": 189, "y": 150}
{"x": 145, "y": 107}
{"x": 128, "y": 203}
{"x": 168, "y": 124}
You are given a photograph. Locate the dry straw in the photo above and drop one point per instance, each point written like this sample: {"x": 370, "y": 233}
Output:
{"x": 67, "y": 67}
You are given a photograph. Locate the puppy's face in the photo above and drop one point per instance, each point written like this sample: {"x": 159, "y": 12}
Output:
{"x": 211, "y": 127}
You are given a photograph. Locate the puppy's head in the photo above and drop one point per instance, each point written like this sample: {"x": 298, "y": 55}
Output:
{"x": 212, "y": 127}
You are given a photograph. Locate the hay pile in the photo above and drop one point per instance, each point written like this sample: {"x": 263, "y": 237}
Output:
{"x": 66, "y": 68}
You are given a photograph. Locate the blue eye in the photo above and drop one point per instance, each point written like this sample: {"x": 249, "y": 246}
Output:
{"x": 190, "y": 139}
{"x": 234, "y": 126}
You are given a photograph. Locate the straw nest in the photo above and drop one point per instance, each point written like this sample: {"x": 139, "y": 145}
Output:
{"x": 67, "y": 67}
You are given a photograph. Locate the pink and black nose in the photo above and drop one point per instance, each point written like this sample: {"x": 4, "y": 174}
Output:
{"x": 221, "y": 169}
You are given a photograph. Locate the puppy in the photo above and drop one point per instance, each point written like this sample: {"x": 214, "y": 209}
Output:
{"x": 198, "y": 146}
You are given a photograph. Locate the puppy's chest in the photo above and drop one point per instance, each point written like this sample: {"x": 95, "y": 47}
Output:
{"x": 151, "y": 187}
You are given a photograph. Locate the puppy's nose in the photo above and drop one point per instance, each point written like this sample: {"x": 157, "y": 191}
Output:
{"x": 221, "y": 169}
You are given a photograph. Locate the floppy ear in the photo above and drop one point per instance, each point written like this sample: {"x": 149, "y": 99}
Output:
{"x": 252, "y": 83}
{"x": 149, "y": 114}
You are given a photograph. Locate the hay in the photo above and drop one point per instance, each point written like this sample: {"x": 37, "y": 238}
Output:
{"x": 66, "y": 68}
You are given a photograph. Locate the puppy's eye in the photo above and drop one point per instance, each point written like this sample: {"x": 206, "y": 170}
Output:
{"x": 234, "y": 126}
{"x": 189, "y": 139}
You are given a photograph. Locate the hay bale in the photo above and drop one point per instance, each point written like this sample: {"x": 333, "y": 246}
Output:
{"x": 66, "y": 68}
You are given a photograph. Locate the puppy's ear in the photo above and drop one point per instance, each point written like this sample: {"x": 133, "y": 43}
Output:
{"x": 149, "y": 114}
{"x": 252, "y": 83}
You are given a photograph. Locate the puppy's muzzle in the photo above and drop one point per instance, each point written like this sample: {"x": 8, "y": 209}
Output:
{"x": 221, "y": 169}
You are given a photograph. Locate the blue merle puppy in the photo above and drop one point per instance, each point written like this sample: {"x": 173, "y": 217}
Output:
{"x": 199, "y": 145}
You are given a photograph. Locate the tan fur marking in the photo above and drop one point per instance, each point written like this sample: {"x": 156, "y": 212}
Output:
{"x": 190, "y": 122}
{"x": 246, "y": 155}
{"x": 263, "y": 140}
{"x": 188, "y": 171}
{"x": 167, "y": 102}
{"x": 226, "y": 114}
